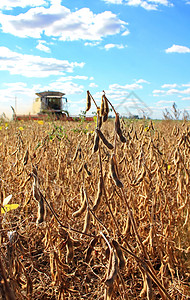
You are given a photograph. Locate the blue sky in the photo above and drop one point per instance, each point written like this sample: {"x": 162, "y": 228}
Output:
{"x": 119, "y": 46}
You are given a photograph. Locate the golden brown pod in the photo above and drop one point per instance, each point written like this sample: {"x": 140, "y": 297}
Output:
{"x": 136, "y": 135}
{"x": 114, "y": 172}
{"x": 87, "y": 221}
{"x": 117, "y": 123}
{"x": 99, "y": 195}
{"x": 140, "y": 178}
{"x": 106, "y": 105}
{"x": 119, "y": 254}
{"x": 141, "y": 128}
{"x": 104, "y": 140}
{"x": 26, "y": 156}
{"x": 41, "y": 211}
{"x": 70, "y": 250}
{"x": 81, "y": 195}
{"x": 149, "y": 287}
{"x": 86, "y": 169}
{"x": 128, "y": 226}
{"x": 118, "y": 129}
{"x": 88, "y": 101}
{"x": 96, "y": 142}
{"x": 36, "y": 191}
{"x": 100, "y": 119}
{"x": 114, "y": 270}
{"x": 105, "y": 117}
{"x": 81, "y": 209}
{"x": 80, "y": 168}
{"x": 78, "y": 151}
{"x": 34, "y": 171}
{"x": 106, "y": 109}
{"x": 109, "y": 292}
{"x": 102, "y": 107}
{"x": 151, "y": 125}
{"x": 90, "y": 249}
{"x": 131, "y": 128}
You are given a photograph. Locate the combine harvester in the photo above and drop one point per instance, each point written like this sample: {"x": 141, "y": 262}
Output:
{"x": 49, "y": 104}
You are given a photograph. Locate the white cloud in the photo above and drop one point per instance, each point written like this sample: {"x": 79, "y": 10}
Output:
{"x": 91, "y": 44}
{"x": 13, "y": 89}
{"x": 42, "y": 47}
{"x": 146, "y": 4}
{"x": 162, "y": 2}
{"x": 70, "y": 78}
{"x": 185, "y": 98}
{"x": 178, "y": 49}
{"x": 126, "y": 100}
{"x": 186, "y": 85}
{"x": 187, "y": 91}
{"x": 134, "y": 2}
{"x": 172, "y": 92}
{"x": 113, "y": 1}
{"x": 10, "y": 4}
{"x": 110, "y": 46}
{"x": 169, "y": 92}
{"x": 68, "y": 87}
{"x": 126, "y": 32}
{"x": 142, "y": 81}
{"x": 133, "y": 86}
{"x": 117, "y": 93}
{"x": 67, "y": 84}
{"x": 158, "y": 92}
{"x": 166, "y": 85}
{"x": 25, "y": 95}
{"x": 170, "y": 89}
{"x": 92, "y": 85}
{"x": 33, "y": 66}
{"x": 18, "y": 93}
{"x": 60, "y": 22}
{"x": 164, "y": 102}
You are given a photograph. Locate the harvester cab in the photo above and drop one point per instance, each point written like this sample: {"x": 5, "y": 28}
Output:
{"x": 50, "y": 102}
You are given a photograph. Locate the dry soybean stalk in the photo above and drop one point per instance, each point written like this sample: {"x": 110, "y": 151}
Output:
{"x": 114, "y": 173}
{"x": 104, "y": 192}
{"x": 59, "y": 222}
{"x": 146, "y": 267}
{"x": 113, "y": 268}
{"x": 8, "y": 291}
{"x": 100, "y": 222}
